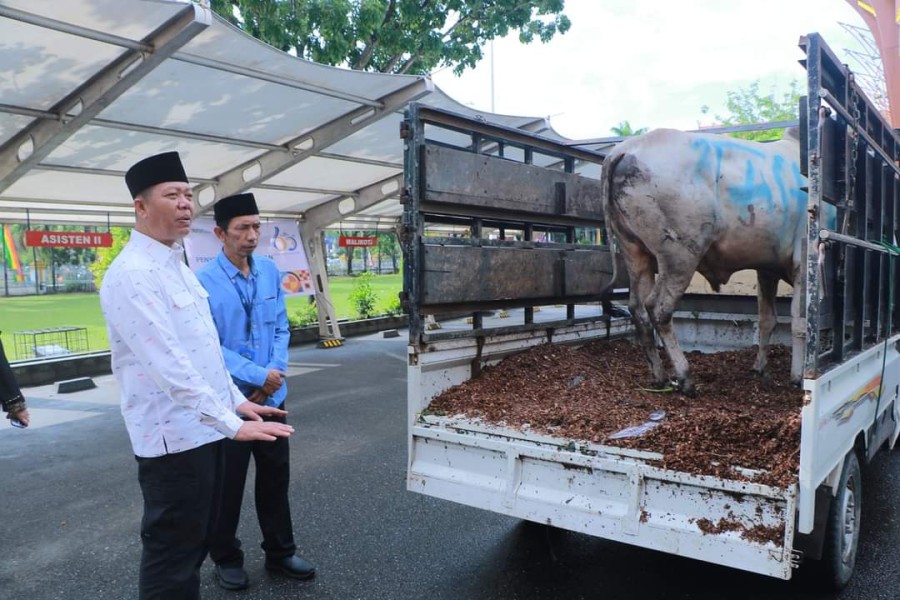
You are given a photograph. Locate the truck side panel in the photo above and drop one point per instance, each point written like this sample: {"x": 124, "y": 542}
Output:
{"x": 841, "y": 405}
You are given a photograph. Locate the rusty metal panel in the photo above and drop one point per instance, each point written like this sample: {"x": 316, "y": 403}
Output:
{"x": 471, "y": 274}
{"x": 457, "y": 177}
{"x": 587, "y": 272}
{"x": 458, "y": 274}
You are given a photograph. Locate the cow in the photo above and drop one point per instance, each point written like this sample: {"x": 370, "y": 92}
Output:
{"x": 680, "y": 203}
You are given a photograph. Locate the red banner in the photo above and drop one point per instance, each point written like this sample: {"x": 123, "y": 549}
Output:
{"x": 355, "y": 241}
{"x": 67, "y": 239}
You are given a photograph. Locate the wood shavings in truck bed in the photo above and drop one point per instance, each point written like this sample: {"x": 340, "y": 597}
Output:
{"x": 597, "y": 390}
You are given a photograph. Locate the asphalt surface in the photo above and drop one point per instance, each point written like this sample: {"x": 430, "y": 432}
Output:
{"x": 70, "y": 509}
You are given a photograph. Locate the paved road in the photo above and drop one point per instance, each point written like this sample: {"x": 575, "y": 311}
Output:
{"x": 70, "y": 509}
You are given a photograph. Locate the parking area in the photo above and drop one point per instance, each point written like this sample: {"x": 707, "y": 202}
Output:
{"x": 71, "y": 508}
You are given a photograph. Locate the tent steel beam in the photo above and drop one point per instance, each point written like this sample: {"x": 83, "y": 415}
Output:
{"x": 314, "y": 244}
{"x": 104, "y": 172}
{"x": 82, "y": 32}
{"x": 279, "y": 79}
{"x": 328, "y": 213}
{"x": 28, "y": 112}
{"x": 24, "y": 204}
{"x": 361, "y": 161}
{"x": 178, "y": 133}
{"x": 271, "y": 163}
{"x": 307, "y": 190}
{"x": 34, "y": 143}
{"x": 188, "y": 135}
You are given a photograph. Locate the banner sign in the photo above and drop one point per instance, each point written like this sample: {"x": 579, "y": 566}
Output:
{"x": 278, "y": 240}
{"x": 67, "y": 239}
{"x": 357, "y": 241}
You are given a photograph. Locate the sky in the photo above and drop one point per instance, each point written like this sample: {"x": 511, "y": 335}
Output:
{"x": 653, "y": 63}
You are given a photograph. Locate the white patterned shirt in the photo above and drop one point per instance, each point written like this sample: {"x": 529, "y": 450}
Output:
{"x": 176, "y": 393}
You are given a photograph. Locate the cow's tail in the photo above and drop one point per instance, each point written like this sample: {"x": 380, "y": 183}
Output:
{"x": 606, "y": 200}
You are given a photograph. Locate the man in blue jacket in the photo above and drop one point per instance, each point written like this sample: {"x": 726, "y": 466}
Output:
{"x": 248, "y": 308}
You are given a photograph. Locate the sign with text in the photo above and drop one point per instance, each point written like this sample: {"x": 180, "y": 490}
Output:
{"x": 67, "y": 239}
{"x": 354, "y": 241}
{"x": 278, "y": 240}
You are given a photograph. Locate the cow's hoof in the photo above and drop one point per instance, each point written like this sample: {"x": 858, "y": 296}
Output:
{"x": 765, "y": 376}
{"x": 686, "y": 387}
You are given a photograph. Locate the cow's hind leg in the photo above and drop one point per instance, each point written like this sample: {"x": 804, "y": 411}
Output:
{"x": 641, "y": 269}
{"x": 675, "y": 272}
{"x": 767, "y": 286}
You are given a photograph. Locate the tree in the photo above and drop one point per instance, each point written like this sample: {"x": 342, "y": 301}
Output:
{"x": 624, "y": 129}
{"x": 747, "y": 107}
{"x": 393, "y": 36}
{"x": 388, "y": 246}
{"x": 105, "y": 256}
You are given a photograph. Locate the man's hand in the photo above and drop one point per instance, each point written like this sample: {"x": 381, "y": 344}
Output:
{"x": 256, "y": 412}
{"x": 265, "y": 431}
{"x": 274, "y": 380}
{"x": 257, "y": 396}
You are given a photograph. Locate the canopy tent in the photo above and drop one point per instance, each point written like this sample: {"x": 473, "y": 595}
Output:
{"x": 91, "y": 86}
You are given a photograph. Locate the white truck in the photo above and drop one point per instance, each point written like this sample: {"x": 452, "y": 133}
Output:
{"x": 492, "y": 221}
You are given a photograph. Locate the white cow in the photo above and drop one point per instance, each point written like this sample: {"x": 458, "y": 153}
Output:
{"x": 682, "y": 202}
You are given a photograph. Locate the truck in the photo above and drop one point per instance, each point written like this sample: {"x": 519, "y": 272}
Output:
{"x": 500, "y": 221}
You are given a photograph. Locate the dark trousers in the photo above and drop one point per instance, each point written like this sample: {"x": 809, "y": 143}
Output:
{"x": 180, "y": 491}
{"x": 273, "y": 476}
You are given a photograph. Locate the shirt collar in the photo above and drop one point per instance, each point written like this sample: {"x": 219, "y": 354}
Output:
{"x": 157, "y": 251}
{"x": 231, "y": 270}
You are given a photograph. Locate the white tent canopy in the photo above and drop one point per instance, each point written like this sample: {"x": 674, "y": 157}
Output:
{"x": 89, "y": 87}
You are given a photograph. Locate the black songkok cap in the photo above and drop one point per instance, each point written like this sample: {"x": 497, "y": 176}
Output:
{"x": 235, "y": 206}
{"x": 154, "y": 169}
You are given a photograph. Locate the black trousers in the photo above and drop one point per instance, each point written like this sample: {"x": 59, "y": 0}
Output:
{"x": 181, "y": 493}
{"x": 273, "y": 510}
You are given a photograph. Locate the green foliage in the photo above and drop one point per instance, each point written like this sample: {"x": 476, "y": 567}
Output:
{"x": 393, "y": 36}
{"x": 385, "y": 286}
{"x": 394, "y": 308}
{"x": 25, "y": 313}
{"x": 624, "y": 129}
{"x": 306, "y": 314}
{"x": 363, "y": 297}
{"x": 105, "y": 256}
{"x": 748, "y": 106}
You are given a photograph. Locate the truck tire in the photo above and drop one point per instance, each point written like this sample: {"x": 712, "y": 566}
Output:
{"x": 842, "y": 527}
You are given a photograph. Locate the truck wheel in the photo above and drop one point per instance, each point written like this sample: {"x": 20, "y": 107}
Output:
{"x": 842, "y": 533}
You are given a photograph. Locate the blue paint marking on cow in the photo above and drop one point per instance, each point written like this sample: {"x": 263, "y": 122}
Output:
{"x": 703, "y": 166}
{"x": 783, "y": 192}
{"x": 799, "y": 195}
{"x": 751, "y": 189}
{"x": 742, "y": 194}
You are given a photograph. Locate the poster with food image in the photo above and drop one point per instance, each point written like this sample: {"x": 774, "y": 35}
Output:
{"x": 278, "y": 240}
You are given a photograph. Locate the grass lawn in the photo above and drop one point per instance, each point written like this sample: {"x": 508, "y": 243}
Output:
{"x": 23, "y": 313}
{"x": 386, "y": 288}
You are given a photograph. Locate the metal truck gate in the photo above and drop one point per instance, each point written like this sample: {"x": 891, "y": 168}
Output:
{"x": 850, "y": 158}
{"x": 519, "y": 204}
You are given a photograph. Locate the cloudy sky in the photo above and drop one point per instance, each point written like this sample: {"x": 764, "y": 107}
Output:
{"x": 654, "y": 63}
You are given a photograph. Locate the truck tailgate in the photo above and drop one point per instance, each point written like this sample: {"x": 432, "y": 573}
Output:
{"x": 613, "y": 493}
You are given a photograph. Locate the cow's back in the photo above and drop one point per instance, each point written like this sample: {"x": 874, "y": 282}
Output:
{"x": 735, "y": 203}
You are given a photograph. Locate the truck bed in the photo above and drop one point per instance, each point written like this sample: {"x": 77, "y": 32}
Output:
{"x": 596, "y": 393}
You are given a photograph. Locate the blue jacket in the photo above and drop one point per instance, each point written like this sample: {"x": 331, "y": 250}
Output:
{"x": 249, "y": 358}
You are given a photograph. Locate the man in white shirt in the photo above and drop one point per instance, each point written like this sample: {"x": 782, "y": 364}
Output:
{"x": 178, "y": 400}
